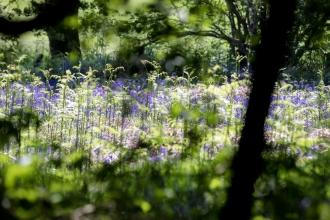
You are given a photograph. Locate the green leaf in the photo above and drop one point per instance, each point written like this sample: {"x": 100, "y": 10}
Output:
{"x": 176, "y": 110}
{"x": 215, "y": 183}
{"x": 144, "y": 205}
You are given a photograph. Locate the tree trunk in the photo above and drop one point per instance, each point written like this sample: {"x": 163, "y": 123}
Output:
{"x": 69, "y": 43}
{"x": 247, "y": 164}
{"x": 63, "y": 39}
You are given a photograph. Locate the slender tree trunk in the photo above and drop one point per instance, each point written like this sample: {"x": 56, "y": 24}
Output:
{"x": 242, "y": 51}
{"x": 270, "y": 56}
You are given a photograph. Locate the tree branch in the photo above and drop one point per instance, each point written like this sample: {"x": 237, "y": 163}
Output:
{"x": 232, "y": 7}
{"x": 225, "y": 37}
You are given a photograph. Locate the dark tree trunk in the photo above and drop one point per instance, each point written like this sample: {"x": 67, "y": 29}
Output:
{"x": 64, "y": 39}
{"x": 69, "y": 43}
{"x": 270, "y": 56}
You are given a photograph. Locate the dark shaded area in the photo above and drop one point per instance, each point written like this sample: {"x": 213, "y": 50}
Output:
{"x": 38, "y": 60}
{"x": 50, "y": 13}
{"x": 64, "y": 39}
{"x": 248, "y": 163}
{"x": 50, "y": 16}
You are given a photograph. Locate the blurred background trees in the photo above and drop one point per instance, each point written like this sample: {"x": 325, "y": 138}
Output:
{"x": 201, "y": 32}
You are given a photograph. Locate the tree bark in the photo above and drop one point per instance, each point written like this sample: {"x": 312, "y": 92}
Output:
{"x": 248, "y": 163}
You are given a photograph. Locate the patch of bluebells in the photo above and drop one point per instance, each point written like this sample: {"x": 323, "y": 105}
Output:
{"x": 49, "y": 150}
{"x": 302, "y": 86}
{"x": 161, "y": 82}
{"x": 239, "y": 113}
{"x": 133, "y": 93}
{"x": 163, "y": 155}
{"x": 239, "y": 99}
{"x": 297, "y": 100}
{"x": 118, "y": 84}
{"x": 99, "y": 90}
{"x": 135, "y": 110}
{"x": 153, "y": 100}
{"x": 110, "y": 158}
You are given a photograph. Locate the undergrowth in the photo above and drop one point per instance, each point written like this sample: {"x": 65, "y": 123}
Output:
{"x": 98, "y": 146}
